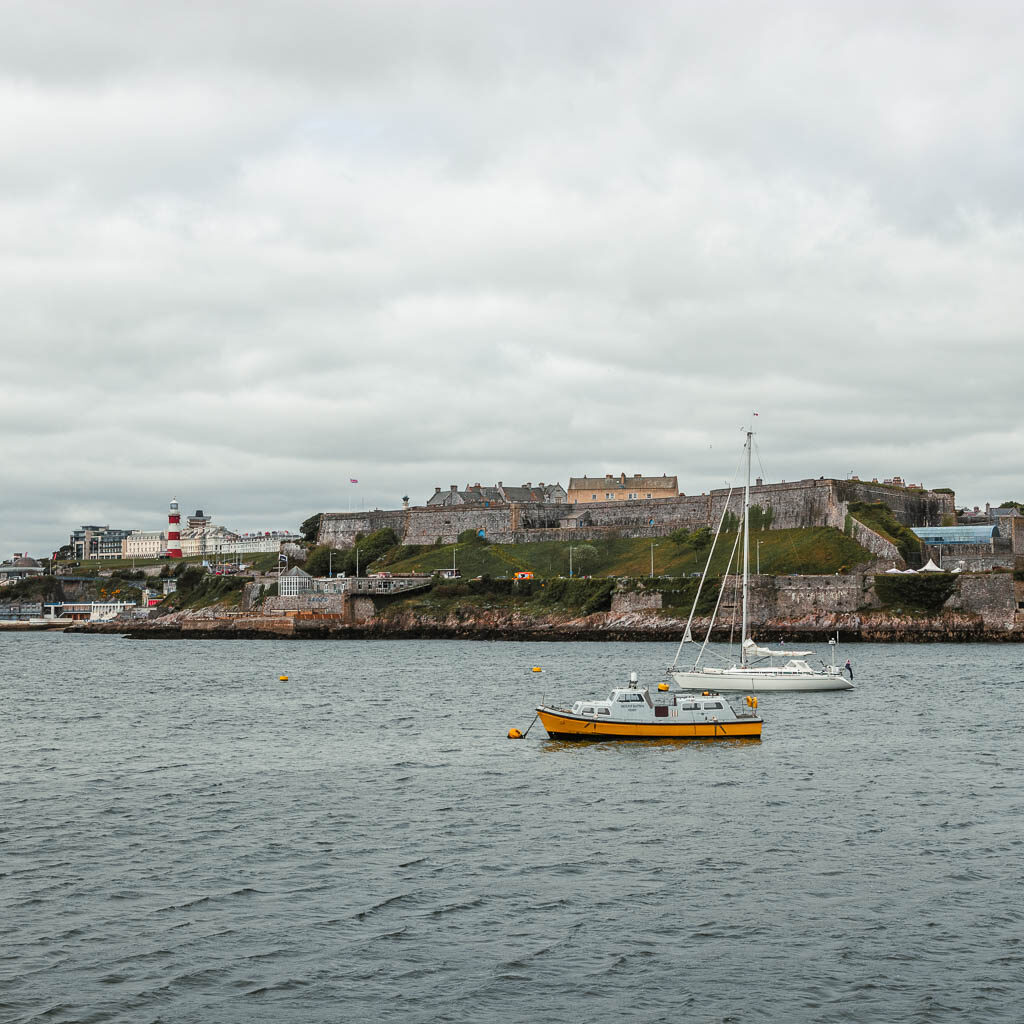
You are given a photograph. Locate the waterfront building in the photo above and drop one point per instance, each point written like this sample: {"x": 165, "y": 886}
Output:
{"x": 621, "y": 488}
{"x": 479, "y": 496}
{"x": 19, "y": 567}
{"x": 205, "y": 540}
{"x": 97, "y": 542}
{"x": 294, "y": 582}
{"x": 144, "y": 544}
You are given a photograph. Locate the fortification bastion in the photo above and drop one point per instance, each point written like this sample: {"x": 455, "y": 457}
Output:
{"x": 802, "y": 503}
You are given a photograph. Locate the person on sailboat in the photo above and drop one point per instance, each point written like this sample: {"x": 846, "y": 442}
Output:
{"x": 848, "y": 668}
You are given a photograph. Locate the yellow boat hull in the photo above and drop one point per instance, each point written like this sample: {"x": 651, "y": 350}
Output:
{"x": 571, "y": 727}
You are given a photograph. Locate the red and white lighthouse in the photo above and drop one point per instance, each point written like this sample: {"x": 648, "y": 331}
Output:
{"x": 174, "y": 530}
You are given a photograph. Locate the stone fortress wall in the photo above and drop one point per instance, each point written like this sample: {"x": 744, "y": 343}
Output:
{"x": 801, "y": 503}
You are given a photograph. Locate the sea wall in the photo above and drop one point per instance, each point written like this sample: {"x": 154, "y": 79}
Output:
{"x": 992, "y": 596}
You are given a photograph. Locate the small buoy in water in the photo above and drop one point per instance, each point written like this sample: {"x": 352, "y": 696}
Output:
{"x": 536, "y": 668}
{"x": 662, "y": 687}
{"x": 514, "y": 734}
{"x": 284, "y": 679}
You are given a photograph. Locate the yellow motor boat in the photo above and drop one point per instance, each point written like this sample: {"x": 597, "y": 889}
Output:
{"x": 634, "y": 713}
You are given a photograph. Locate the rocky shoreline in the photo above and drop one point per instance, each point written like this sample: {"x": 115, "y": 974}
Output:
{"x": 869, "y": 626}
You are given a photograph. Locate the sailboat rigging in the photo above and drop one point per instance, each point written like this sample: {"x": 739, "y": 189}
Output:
{"x": 757, "y": 669}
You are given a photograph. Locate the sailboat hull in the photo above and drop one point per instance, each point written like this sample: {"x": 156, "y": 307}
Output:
{"x": 766, "y": 680}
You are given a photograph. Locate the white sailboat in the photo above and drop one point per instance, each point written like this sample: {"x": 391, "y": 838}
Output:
{"x": 757, "y": 669}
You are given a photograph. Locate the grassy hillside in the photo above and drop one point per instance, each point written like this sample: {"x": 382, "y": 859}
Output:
{"x": 815, "y": 550}
{"x": 877, "y": 516}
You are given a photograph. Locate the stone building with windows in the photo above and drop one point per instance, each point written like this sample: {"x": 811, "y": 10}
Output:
{"x": 478, "y": 496}
{"x": 583, "y": 489}
{"x": 144, "y": 544}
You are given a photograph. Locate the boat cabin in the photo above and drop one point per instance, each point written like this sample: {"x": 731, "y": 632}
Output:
{"x": 630, "y": 702}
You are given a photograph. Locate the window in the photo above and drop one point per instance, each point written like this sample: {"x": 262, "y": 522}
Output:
{"x": 711, "y": 707}
{"x": 604, "y": 711}
{"x": 593, "y": 497}
{"x": 610, "y": 496}
{"x": 648, "y": 495}
{"x": 588, "y": 711}
{"x": 689, "y": 707}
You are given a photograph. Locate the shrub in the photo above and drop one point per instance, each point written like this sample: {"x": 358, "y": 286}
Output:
{"x": 927, "y": 593}
{"x": 191, "y": 578}
{"x": 761, "y": 518}
{"x": 324, "y": 559}
{"x": 472, "y": 537}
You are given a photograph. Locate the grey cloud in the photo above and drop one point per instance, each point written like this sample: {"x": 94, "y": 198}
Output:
{"x": 249, "y": 252}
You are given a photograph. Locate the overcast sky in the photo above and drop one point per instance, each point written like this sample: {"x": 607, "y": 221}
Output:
{"x": 251, "y": 250}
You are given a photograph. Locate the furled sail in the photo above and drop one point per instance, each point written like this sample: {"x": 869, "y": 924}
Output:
{"x": 753, "y": 651}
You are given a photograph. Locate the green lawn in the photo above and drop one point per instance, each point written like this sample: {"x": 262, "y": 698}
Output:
{"x": 814, "y": 550}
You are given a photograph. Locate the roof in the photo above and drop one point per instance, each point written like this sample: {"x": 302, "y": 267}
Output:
{"x": 621, "y": 481}
{"x": 296, "y": 571}
{"x": 956, "y": 534}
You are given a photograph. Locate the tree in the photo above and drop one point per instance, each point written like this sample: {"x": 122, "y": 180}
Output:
{"x": 701, "y": 538}
{"x": 310, "y": 528}
{"x": 584, "y": 558}
{"x": 324, "y": 559}
{"x": 680, "y": 536}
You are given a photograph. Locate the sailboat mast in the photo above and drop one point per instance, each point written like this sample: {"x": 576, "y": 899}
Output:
{"x": 746, "y": 550}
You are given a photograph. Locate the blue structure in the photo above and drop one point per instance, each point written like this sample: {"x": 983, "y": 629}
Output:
{"x": 956, "y": 534}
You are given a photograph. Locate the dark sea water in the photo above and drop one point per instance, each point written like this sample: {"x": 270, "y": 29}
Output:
{"x": 186, "y": 838}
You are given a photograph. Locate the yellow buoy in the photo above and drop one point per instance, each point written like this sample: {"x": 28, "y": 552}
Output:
{"x": 284, "y": 679}
{"x": 662, "y": 687}
{"x": 514, "y": 734}
{"x": 536, "y": 668}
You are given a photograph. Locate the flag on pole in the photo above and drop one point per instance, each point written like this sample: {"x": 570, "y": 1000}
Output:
{"x": 282, "y": 558}
{"x": 352, "y": 481}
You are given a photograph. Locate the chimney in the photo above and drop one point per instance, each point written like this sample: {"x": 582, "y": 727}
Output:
{"x": 758, "y": 482}
{"x": 622, "y": 479}
{"x": 437, "y": 490}
{"x": 500, "y": 484}
{"x": 607, "y": 476}
{"x": 455, "y": 487}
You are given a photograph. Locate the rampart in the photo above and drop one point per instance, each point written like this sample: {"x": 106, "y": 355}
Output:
{"x": 800, "y": 503}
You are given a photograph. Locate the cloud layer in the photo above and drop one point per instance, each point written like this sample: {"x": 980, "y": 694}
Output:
{"x": 251, "y": 251}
